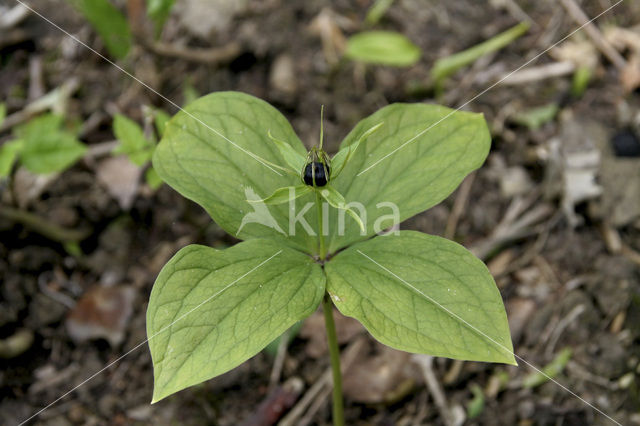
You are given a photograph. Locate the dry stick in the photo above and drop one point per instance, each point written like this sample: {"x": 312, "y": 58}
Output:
{"x": 425, "y": 362}
{"x": 278, "y": 362}
{"x": 458, "y": 206}
{"x": 55, "y": 100}
{"x": 216, "y": 55}
{"x": 542, "y": 72}
{"x": 593, "y": 32}
{"x": 12, "y": 17}
{"x": 324, "y": 382}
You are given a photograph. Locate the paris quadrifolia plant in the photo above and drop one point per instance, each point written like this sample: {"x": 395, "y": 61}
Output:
{"x": 238, "y": 157}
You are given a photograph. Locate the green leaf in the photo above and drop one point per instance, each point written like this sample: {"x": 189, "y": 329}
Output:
{"x": 342, "y": 157}
{"x": 446, "y": 66}
{"x": 8, "y": 154}
{"x": 476, "y": 405}
{"x": 211, "y": 310}
{"x": 3, "y": 112}
{"x": 335, "y": 199}
{"x": 535, "y": 118}
{"x": 47, "y": 149}
{"x": 581, "y": 78}
{"x": 423, "y": 294}
{"x": 289, "y": 154}
{"x": 152, "y": 178}
{"x": 377, "y": 11}
{"x": 550, "y": 371}
{"x": 132, "y": 140}
{"x": 382, "y": 47}
{"x": 160, "y": 120}
{"x": 109, "y": 23}
{"x": 158, "y": 11}
{"x": 284, "y": 195}
{"x": 410, "y": 164}
{"x": 214, "y": 153}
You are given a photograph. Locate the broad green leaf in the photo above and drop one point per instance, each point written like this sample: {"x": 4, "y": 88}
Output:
{"x": 289, "y": 154}
{"x": 8, "y": 154}
{"x": 413, "y": 162}
{"x": 446, "y": 66}
{"x": 3, "y": 112}
{"x": 109, "y": 23}
{"x": 549, "y": 371}
{"x": 217, "y": 153}
{"x": 152, "y": 178}
{"x": 158, "y": 11}
{"x": 344, "y": 155}
{"x": 132, "y": 140}
{"x": 382, "y": 47}
{"x": 47, "y": 149}
{"x": 423, "y": 294}
{"x": 284, "y": 195}
{"x": 336, "y": 200}
{"x": 211, "y": 310}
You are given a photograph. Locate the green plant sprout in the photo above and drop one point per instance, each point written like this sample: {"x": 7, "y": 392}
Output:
{"x": 210, "y": 310}
{"x": 42, "y": 145}
{"x": 134, "y": 144}
{"x": 445, "y": 67}
{"x": 382, "y": 48}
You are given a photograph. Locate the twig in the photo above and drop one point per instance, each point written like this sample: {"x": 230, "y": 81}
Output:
{"x": 561, "y": 326}
{"x": 593, "y": 32}
{"x": 215, "y": 55}
{"x": 435, "y": 388}
{"x": 517, "y": 223}
{"x": 315, "y": 407}
{"x": 515, "y": 11}
{"x": 278, "y": 362}
{"x": 316, "y": 391}
{"x": 542, "y": 72}
{"x": 11, "y": 18}
{"x": 55, "y": 100}
{"x": 276, "y": 403}
{"x": 458, "y": 206}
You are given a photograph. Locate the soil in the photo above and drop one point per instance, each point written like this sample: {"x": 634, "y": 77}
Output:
{"x": 571, "y": 279}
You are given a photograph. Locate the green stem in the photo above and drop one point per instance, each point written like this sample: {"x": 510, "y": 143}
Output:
{"x": 334, "y": 352}
{"x": 321, "y": 249}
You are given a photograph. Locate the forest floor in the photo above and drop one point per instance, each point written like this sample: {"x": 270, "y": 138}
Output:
{"x": 560, "y": 234}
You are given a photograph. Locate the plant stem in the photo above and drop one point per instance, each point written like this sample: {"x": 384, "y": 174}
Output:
{"x": 334, "y": 352}
{"x": 321, "y": 249}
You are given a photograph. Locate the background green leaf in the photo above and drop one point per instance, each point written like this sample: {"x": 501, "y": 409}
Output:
{"x": 415, "y": 176}
{"x": 209, "y": 169}
{"x": 242, "y": 298}
{"x": 47, "y": 148}
{"x": 382, "y": 47}
{"x": 3, "y": 112}
{"x": 109, "y": 23}
{"x": 158, "y": 11}
{"x": 132, "y": 140}
{"x": 8, "y": 154}
{"x": 448, "y": 305}
{"x": 444, "y": 67}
